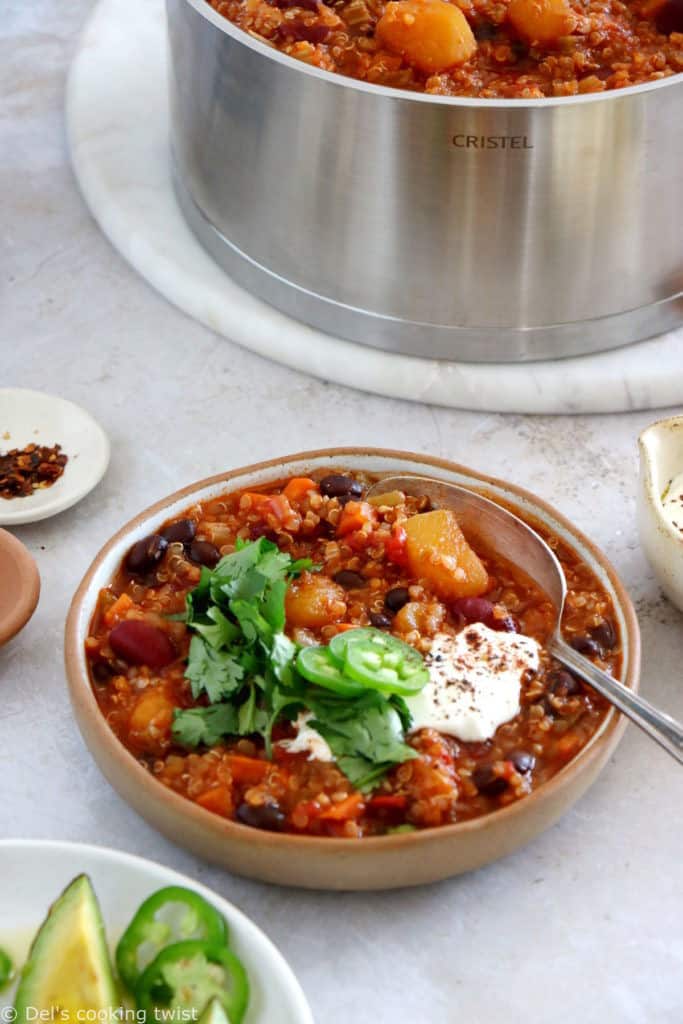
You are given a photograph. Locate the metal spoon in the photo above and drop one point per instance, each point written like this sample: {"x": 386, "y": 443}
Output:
{"x": 504, "y": 533}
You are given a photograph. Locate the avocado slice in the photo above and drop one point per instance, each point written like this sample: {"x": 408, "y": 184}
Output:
{"x": 68, "y": 968}
{"x": 214, "y": 1013}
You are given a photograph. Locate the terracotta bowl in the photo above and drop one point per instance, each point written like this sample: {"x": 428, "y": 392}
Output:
{"x": 382, "y": 862}
{"x": 20, "y": 587}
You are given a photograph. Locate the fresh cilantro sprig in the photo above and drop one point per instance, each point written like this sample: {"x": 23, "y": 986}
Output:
{"x": 242, "y": 664}
{"x": 239, "y": 652}
{"x": 365, "y": 734}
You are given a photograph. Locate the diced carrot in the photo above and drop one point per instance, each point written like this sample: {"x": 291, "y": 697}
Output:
{"x": 355, "y": 515}
{"x": 298, "y": 487}
{"x": 351, "y": 807}
{"x": 218, "y": 799}
{"x": 119, "y": 608}
{"x": 247, "y": 769}
{"x": 275, "y": 505}
{"x": 388, "y": 802}
{"x": 344, "y": 627}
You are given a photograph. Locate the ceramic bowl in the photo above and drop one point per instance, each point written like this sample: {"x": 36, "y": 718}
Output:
{"x": 34, "y": 417}
{"x": 381, "y": 862}
{"x": 20, "y": 588}
{"x": 661, "y": 459}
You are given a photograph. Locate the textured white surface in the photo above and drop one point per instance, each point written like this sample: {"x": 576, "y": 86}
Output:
{"x": 117, "y": 115}
{"x": 588, "y": 918}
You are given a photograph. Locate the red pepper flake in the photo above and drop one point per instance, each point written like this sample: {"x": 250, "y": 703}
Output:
{"x": 25, "y": 470}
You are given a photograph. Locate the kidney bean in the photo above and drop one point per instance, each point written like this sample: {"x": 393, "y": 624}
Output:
{"x": 205, "y": 553}
{"x": 508, "y": 624}
{"x": 305, "y": 5}
{"x": 180, "y": 532}
{"x": 140, "y": 643}
{"x": 479, "y": 609}
{"x": 379, "y": 620}
{"x": 487, "y": 782}
{"x": 562, "y": 683}
{"x": 522, "y": 761}
{"x": 396, "y": 598}
{"x": 605, "y": 635}
{"x": 267, "y": 816}
{"x": 338, "y": 486}
{"x": 586, "y": 645}
{"x": 298, "y": 30}
{"x": 349, "y": 580}
{"x": 146, "y": 554}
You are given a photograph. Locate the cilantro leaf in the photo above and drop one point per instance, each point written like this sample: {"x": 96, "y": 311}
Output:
{"x": 195, "y": 726}
{"x": 214, "y": 672}
{"x": 365, "y": 735}
{"x": 216, "y": 629}
{"x": 239, "y": 652}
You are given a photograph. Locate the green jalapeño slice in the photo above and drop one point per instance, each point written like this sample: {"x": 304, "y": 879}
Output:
{"x": 317, "y": 665}
{"x": 379, "y": 661}
{"x": 170, "y": 915}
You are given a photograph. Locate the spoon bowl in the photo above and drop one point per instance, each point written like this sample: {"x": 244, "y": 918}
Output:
{"x": 506, "y": 534}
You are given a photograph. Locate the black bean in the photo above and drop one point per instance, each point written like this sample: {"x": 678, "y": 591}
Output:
{"x": 146, "y": 554}
{"x": 379, "y": 620}
{"x": 605, "y": 635}
{"x": 180, "y": 532}
{"x": 669, "y": 17}
{"x": 484, "y": 30}
{"x": 522, "y": 761}
{"x": 342, "y": 487}
{"x": 586, "y": 645}
{"x": 349, "y": 580}
{"x": 487, "y": 782}
{"x": 205, "y": 553}
{"x": 267, "y": 816}
{"x": 395, "y": 598}
{"x": 103, "y": 672}
{"x": 563, "y": 684}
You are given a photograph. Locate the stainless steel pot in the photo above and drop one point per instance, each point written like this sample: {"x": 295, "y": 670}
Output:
{"x": 457, "y": 228}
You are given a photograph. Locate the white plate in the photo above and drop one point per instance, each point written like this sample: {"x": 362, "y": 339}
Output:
{"x": 34, "y": 872}
{"x": 28, "y": 417}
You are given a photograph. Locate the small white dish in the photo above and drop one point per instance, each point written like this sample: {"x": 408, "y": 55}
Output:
{"x": 661, "y": 461}
{"x": 33, "y": 417}
{"x": 34, "y": 872}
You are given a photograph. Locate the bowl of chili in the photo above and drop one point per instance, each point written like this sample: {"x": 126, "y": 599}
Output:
{"x": 249, "y": 661}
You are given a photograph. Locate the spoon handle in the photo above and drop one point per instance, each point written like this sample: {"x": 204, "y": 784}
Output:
{"x": 664, "y": 729}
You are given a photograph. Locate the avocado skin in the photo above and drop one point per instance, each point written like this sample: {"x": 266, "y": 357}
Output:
{"x": 77, "y": 906}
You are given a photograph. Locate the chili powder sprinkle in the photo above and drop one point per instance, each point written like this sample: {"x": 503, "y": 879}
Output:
{"x": 25, "y": 470}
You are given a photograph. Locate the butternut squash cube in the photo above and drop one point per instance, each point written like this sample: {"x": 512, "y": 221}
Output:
{"x": 438, "y": 552}
{"x": 314, "y": 601}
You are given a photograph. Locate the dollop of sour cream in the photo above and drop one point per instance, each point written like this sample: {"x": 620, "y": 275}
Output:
{"x": 475, "y": 682}
{"x": 672, "y": 504}
{"x": 307, "y": 740}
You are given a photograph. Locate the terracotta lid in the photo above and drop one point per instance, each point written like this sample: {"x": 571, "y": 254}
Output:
{"x": 20, "y": 586}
